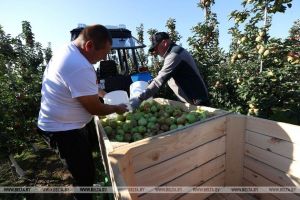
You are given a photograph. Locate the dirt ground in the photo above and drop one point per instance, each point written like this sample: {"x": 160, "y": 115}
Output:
{"x": 43, "y": 168}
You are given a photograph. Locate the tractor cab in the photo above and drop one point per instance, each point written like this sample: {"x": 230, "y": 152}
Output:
{"x": 123, "y": 64}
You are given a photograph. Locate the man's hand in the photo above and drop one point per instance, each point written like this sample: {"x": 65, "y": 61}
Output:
{"x": 120, "y": 109}
{"x": 92, "y": 104}
{"x": 135, "y": 102}
{"x": 101, "y": 93}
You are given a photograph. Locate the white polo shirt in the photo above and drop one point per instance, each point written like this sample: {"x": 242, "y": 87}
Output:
{"x": 68, "y": 75}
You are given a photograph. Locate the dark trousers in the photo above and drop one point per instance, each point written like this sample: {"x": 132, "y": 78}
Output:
{"x": 75, "y": 148}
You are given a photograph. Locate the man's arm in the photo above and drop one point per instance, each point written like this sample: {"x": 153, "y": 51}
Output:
{"x": 92, "y": 104}
{"x": 163, "y": 76}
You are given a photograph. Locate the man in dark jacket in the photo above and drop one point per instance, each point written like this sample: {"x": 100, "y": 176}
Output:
{"x": 179, "y": 70}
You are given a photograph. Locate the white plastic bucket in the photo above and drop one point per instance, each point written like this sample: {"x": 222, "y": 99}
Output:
{"x": 116, "y": 97}
{"x": 137, "y": 88}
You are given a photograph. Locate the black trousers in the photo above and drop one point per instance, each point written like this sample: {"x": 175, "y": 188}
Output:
{"x": 75, "y": 148}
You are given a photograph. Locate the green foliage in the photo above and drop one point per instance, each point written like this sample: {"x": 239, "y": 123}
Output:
{"x": 151, "y": 32}
{"x": 241, "y": 88}
{"x": 140, "y": 33}
{"x": 205, "y": 46}
{"x": 250, "y": 38}
{"x": 154, "y": 60}
{"x": 236, "y": 83}
{"x": 48, "y": 53}
{"x": 235, "y": 79}
{"x": 295, "y": 30}
{"x": 205, "y": 3}
{"x": 171, "y": 25}
{"x": 27, "y": 34}
{"x": 21, "y": 68}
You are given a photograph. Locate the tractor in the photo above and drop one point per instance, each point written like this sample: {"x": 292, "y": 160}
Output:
{"x": 123, "y": 64}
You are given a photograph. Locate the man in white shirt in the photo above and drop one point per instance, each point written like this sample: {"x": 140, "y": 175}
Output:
{"x": 70, "y": 99}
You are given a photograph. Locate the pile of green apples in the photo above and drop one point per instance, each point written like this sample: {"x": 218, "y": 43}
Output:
{"x": 150, "y": 119}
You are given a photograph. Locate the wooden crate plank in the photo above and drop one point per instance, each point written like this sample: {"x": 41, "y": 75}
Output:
{"x": 260, "y": 196}
{"x": 173, "y": 145}
{"x": 217, "y": 197}
{"x": 150, "y": 151}
{"x": 262, "y": 181}
{"x": 195, "y": 177}
{"x": 111, "y": 164}
{"x": 102, "y": 146}
{"x": 275, "y": 175}
{"x": 201, "y": 174}
{"x": 231, "y": 196}
{"x": 282, "y": 163}
{"x": 118, "y": 144}
{"x": 216, "y": 181}
{"x": 117, "y": 178}
{"x": 172, "y": 168}
{"x": 235, "y": 131}
{"x": 272, "y": 144}
{"x": 190, "y": 107}
{"x": 104, "y": 138}
{"x": 245, "y": 196}
{"x": 284, "y": 131}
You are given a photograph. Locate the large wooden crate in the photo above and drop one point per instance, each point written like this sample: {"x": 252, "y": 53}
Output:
{"x": 271, "y": 156}
{"x": 108, "y": 146}
{"x": 226, "y": 150}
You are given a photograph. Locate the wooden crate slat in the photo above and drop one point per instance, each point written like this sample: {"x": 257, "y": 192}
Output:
{"x": 102, "y": 146}
{"x": 180, "y": 142}
{"x": 151, "y": 151}
{"x": 260, "y": 196}
{"x": 166, "y": 171}
{"x": 262, "y": 181}
{"x": 201, "y": 174}
{"x": 218, "y": 197}
{"x": 272, "y": 144}
{"x": 100, "y": 130}
{"x": 216, "y": 181}
{"x": 118, "y": 144}
{"x": 279, "y": 162}
{"x": 284, "y": 131}
{"x": 245, "y": 196}
{"x": 235, "y": 132}
{"x": 117, "y": 178}
{"x": 193, "y": 178}
{"x": 189, "y": 107}
{"x": 232, "y": 196}
{"x": 275, "y": 175}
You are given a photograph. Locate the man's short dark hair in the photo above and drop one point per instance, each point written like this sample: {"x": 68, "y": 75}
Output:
{"x": 99, "y": 34}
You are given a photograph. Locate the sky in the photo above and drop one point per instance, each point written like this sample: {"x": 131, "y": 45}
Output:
{"x": 52, "y": 21}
